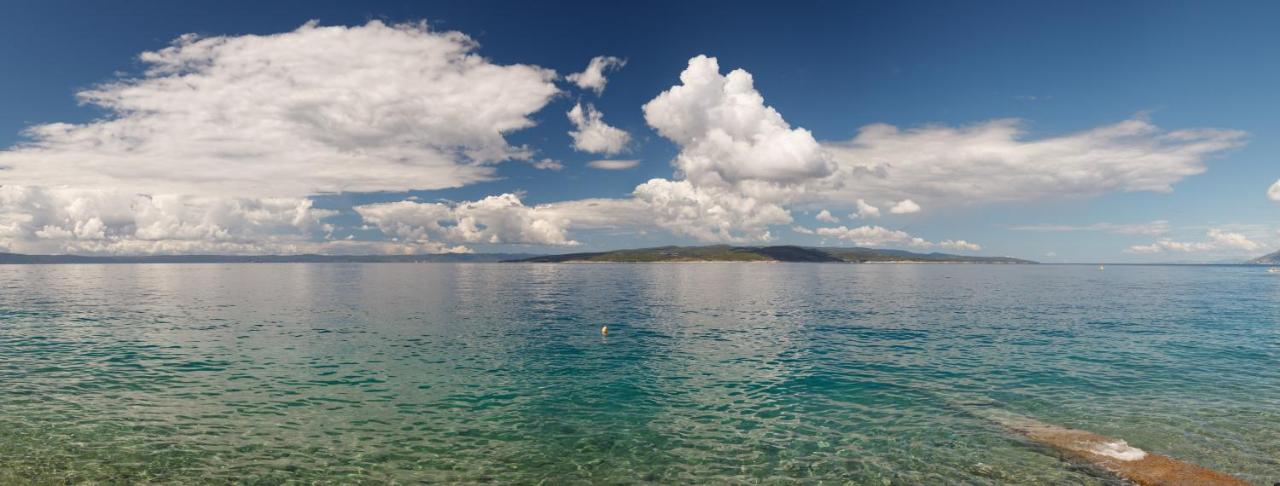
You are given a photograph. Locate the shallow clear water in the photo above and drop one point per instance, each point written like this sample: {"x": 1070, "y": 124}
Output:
{"x": 750, "y": 373}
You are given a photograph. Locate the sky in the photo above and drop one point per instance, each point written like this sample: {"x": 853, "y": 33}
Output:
{"x": 1082, "y": 132}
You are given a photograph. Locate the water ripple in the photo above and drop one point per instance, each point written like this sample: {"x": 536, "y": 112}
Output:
{"x": 488, "y": 373}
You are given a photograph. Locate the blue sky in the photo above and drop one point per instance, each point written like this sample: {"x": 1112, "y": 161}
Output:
{"x": 942, "y": 73}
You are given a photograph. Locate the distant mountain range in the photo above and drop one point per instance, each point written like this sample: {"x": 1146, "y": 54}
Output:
{"x": 1269, "y": 259}
{"x": 15, "y": 258}
{"x": 725, "y": 253}
{"x": 716, "y": 253}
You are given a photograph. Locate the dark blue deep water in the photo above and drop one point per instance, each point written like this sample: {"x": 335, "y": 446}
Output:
{"x": 711, "y": 373}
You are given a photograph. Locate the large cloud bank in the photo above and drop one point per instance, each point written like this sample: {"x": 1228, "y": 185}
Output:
{"x": 221, "y": 144}
{"x": 1219, "y": 241}
{"x": 995, "y": 161}
{"x": 218, "y": 144}
{"x": 61, "y": 220}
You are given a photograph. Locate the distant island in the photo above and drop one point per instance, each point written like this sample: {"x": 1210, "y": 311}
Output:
{"x": 726, "y": 253}
{"x": 1268, "y": 259}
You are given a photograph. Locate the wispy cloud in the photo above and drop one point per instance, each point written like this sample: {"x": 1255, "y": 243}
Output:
{"x": 995, "y": 161}
{"x": 1218, "y": 241}
{"x": 1153, "y": 228}
{"x": 613, "y": 164}
{"x": 872, "y": 235}
{"x": 593, "y": 77}
{"x": 547, "y": 164}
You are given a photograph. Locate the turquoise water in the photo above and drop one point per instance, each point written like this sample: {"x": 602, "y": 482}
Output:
{"x": 711, "y": 373}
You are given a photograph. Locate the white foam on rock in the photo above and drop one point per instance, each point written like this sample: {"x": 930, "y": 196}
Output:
{"x": 1119, "y": 450}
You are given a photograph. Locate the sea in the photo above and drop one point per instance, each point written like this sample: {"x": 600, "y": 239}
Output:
{"x": 709, "y": 373}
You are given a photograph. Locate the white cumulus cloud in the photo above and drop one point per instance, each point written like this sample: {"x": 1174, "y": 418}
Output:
{"x": 501, "y": 219}
{"x": 729, "y": 139}
{"x": 905, "y": 206}
{"x": 741, "y": 165}
{"x": 592, "y": 134}
{"x": 593, "y": 77}
{"x": 872, "y": 236}
{"x": 727, "y": 134}
{"x": 826, "y": 217}
{"x": 1273, "y": 193}
{"x": 878, "y": 236}
{"x": 709, "y": 213}
{"x": 316, "y": 110}
{"x": 959, "y": 245}
{"x": 865, "y": 210}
